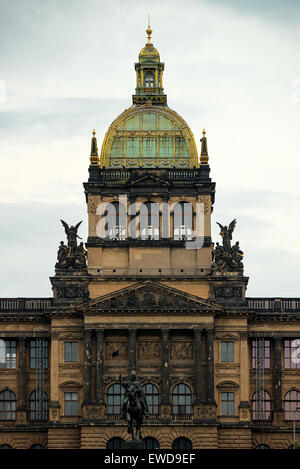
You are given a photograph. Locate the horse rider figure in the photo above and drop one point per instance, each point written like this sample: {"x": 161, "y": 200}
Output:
{"x": 133, "y": 384}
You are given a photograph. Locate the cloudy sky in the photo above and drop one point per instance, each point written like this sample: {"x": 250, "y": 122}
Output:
{"x": 233, "y": 67}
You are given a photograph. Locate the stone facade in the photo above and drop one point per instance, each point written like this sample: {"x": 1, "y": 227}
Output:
{"x": 153, "y": 303}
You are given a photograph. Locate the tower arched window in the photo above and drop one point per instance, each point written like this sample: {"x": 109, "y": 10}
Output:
{"x": 261, "y": 410}
{"x": 291, "y": 402}
{"x": 38, "y": 406}
{"x": 7, "y": 405}
{"x": 149, "y": 80}
{"x": 182, "y": 399}
{"x": 114, "y": 399}
{"x": 152, "y": 396}
{"x": 183, "y": 220}
{"x": 149, "y": 220}
{"x": 115, "y": 221}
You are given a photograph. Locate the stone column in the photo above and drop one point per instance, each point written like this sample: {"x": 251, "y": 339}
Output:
{"x": 132, "y": 349}
{"x": 54, "y": 405}
{"x": 100, "y": 367}
{"x": 210, "y": 381}
{"x": 198, "y": 365}
{"x": 165, "y": 383}
{"x": 244, "y": 405}
{"x": 278, "y": 410}
{"x": 87, "y": 337}
{"x": 22, "y": 385}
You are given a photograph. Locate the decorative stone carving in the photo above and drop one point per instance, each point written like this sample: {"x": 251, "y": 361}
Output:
{"x": 181, "y": 351}
{"x": 228, "y": 292}
{"x": 205, "y": 412}
{"x": 72, "y": 291}
{"x": 149, "y": 351}
{"x": 207, "y": 204}
{"x": 93, "y": 203}
{"x": 93, "y": 412}
{"x": 111, "y": 347}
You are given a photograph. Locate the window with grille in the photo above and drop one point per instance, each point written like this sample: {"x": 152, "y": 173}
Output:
{"x": 151, "y": 395}
{"x": 70, "y": 351}
{"x": 149, "y": 80}
{"x": 291, "y": 403}
{"x": 227, "y": 352}
{"x": 227, "y": 403}
{"x": 71, "y": 403}
{"x": 292, "y": 353}
{"x": 8, "y": 354}
{"x": 38, "y": 406}
{"x": 267, "y": 354}
{"x": 151, "y": 443}
{"x": 114, "y": 399}
{"x": 115, "y": 221}
{"x": 183, "y": 221}
{"x": 7, "y": 405}
{"x": 265, "y": 412}
{"x": 182, "y": 399}
{"x": 114, "y": 443}
{"x": 182, "y": 443}
{"x": 38, "y": 354}
{"x": 149, "y": 220}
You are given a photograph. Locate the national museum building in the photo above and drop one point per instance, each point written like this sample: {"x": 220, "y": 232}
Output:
{"x": 149, "y": 291}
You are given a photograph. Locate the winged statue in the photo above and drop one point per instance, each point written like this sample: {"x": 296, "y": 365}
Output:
{"x": 226, "y": 233}
{"x": 71, "y": 232}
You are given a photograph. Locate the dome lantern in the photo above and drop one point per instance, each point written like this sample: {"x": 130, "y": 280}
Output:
{"x": 149, "y": 75}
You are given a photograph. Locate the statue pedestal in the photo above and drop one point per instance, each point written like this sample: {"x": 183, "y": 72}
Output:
{"x": 133, "y": 444}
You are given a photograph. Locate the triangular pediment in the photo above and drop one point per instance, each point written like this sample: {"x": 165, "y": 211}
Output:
{"x": 148, "y": 180}
{"x": 150, "y": 296}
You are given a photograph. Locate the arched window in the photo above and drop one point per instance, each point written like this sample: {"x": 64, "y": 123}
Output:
{"x": 149, "y": 80}
{"x": 38, "y": 406}
{"x": 182, "y": 443}
{"x": 7, "y": 405}
{"x": 149, "y": 220}
{"x": 291, "y": 402}
{"x": 151, "y": 443}
{"x": 183, "y": 221}
{"x": 151, "y": 394}
{"x": 115, "y": 221}
{"x": 114, "y": 399}
{"x": 37, "y": 446}
{"x": 261, "y": 411}
{"x": 114, "y": 443}
{"x": 262, "y": 447}
{"x": 5, "y": 447}
{"x": 182, "y": 399}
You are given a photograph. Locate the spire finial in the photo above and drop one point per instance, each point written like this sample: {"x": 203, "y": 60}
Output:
{"x": 149, "y": 30}
{"x": 204, "y": 152}
{"x": 94, "y": 158}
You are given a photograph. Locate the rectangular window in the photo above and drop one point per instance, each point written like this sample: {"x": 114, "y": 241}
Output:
{"x": 292, "y": 353}
{"x": 266, "y": 353}
{"x": 38, "y": 356}
{"x": 71, "y": 403}
{"x": 8, "y": 354}
{"x": 227, "y": 352}
{"x": 227, "y": 403}
{"x": 70, "y": 351}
